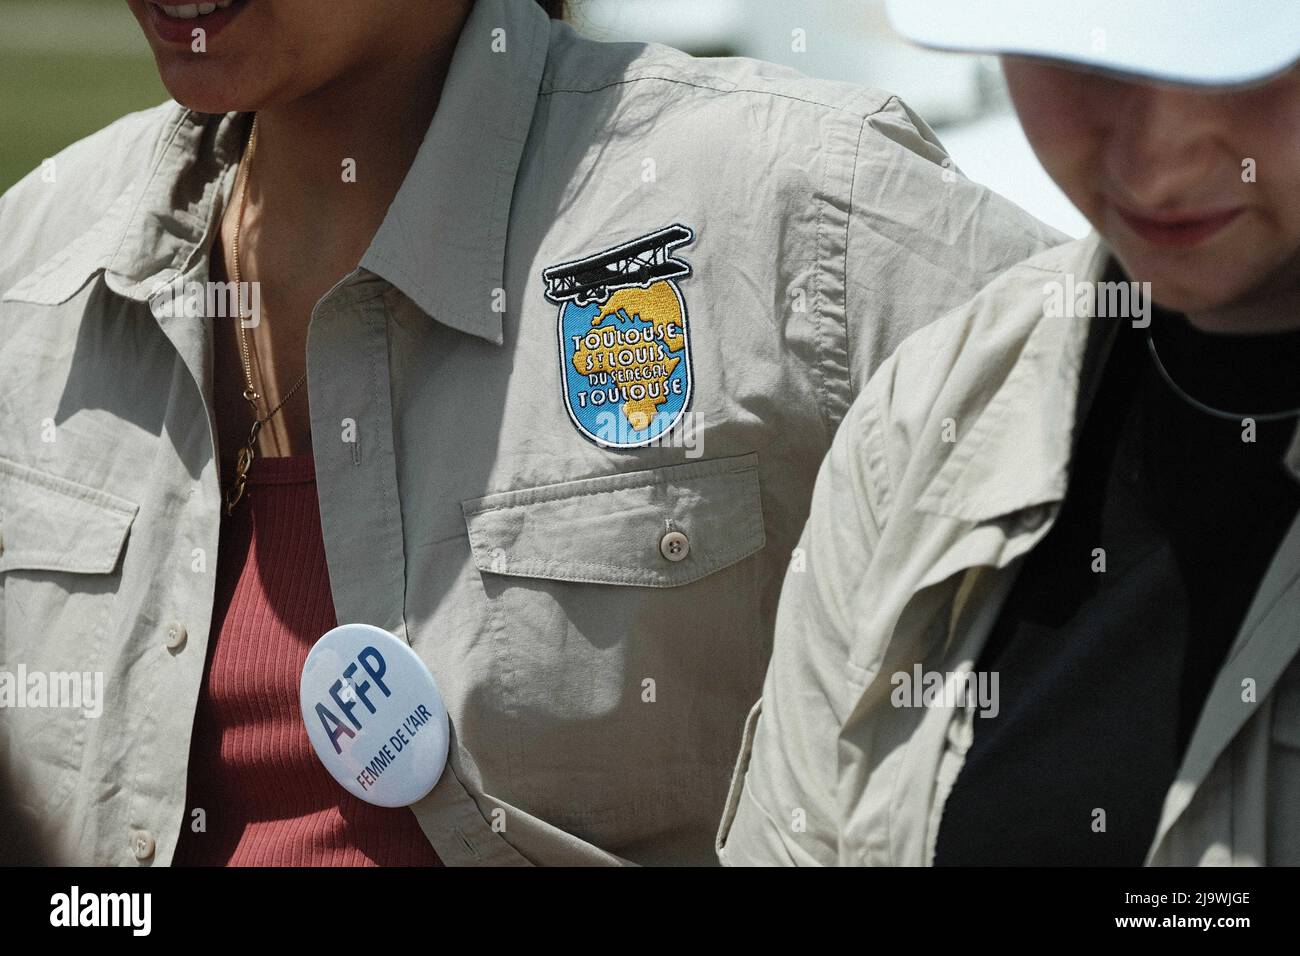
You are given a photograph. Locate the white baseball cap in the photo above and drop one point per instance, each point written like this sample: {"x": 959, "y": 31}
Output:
{"x": 1203, "y": 42}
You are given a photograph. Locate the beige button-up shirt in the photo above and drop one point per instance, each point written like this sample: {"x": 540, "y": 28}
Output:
{"x": 947, "y": 471}
{"x": 596, "y": 610}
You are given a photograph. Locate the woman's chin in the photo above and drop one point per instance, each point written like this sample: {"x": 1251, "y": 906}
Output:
{"x": 1190, "y": 297}
{"x": 203, "y": 88}
{"x": 1185, "y": 283}
{"x": 207, "y": 104}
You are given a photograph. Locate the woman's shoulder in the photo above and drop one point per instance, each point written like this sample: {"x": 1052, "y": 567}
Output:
{"x": 69, "y": 192}
{"x": 748, "y": 105}
{"x": 580, "y": 64}
{"x": 930, "y": 393}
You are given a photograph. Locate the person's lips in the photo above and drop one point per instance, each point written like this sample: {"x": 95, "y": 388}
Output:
{"x": 176, "y": 22}
{"x": 1181, "y": 229}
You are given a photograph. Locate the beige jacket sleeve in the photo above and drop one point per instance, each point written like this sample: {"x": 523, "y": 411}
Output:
{"x": 781, "y": 808}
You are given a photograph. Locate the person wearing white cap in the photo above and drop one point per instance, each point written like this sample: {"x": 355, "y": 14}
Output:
{"x": 1048, "y": 610}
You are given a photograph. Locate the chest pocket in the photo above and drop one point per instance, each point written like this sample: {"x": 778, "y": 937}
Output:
{"x": 629, "y": 637}
{"x": 60, "y": 547}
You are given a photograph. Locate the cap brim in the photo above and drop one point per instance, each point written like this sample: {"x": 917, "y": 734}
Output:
{"x": 1208, "y": 43}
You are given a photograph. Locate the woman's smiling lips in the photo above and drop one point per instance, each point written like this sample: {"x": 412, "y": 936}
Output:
{"x": 176, "y": 22}
{"x": 1177, "y": 229}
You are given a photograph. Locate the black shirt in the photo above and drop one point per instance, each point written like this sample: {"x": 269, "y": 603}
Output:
{"x": 1102, "y": 674}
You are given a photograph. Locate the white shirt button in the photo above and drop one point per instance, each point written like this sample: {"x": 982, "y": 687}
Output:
{"x": 675, "y": 546}
{"x": 142, "y": 844}
{"x": 176, "y": 635}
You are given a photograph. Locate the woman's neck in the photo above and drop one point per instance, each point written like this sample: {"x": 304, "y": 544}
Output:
{"x": 323, "y": 175}
{"x": 328, "y": 165}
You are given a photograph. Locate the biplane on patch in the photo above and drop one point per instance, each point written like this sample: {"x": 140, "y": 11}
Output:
{"x": 639, "y": 263}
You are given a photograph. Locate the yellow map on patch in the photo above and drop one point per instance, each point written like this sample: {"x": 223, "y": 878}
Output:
{"x": 634, "y": 357}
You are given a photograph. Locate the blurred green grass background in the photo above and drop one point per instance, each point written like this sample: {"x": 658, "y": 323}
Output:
{"x": 67, "y": 68}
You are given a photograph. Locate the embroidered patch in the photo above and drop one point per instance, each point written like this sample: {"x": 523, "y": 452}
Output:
{"x": 625, "y": 350}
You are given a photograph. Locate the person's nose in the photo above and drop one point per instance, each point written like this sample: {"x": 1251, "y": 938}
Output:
{"x": 1167, "y": 146}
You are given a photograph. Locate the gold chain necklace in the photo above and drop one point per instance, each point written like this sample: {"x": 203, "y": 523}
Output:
{"x": 247, "y": 454}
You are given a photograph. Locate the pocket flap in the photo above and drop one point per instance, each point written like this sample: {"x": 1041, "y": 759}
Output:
{"x": 616, "y": 529}
{"x": 55, "y": 524}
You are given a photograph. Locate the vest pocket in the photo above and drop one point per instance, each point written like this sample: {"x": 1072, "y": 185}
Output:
{"x": 61, "y": 544}
{"x": 627, "y": 609}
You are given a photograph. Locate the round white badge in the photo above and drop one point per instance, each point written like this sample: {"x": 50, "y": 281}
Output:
{"x": 374, "y": 715}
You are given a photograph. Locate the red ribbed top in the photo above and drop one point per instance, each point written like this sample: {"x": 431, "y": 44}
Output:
{"x": 268, "y": 799}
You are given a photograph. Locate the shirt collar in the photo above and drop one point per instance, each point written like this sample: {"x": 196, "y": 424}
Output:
{"x": 443, "y": 240}
{"x": 179, "y": 202}
{"x": 153, "y": 231}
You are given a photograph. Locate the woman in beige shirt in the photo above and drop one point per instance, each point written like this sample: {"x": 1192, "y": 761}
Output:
{"x": 565, "y": 328}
